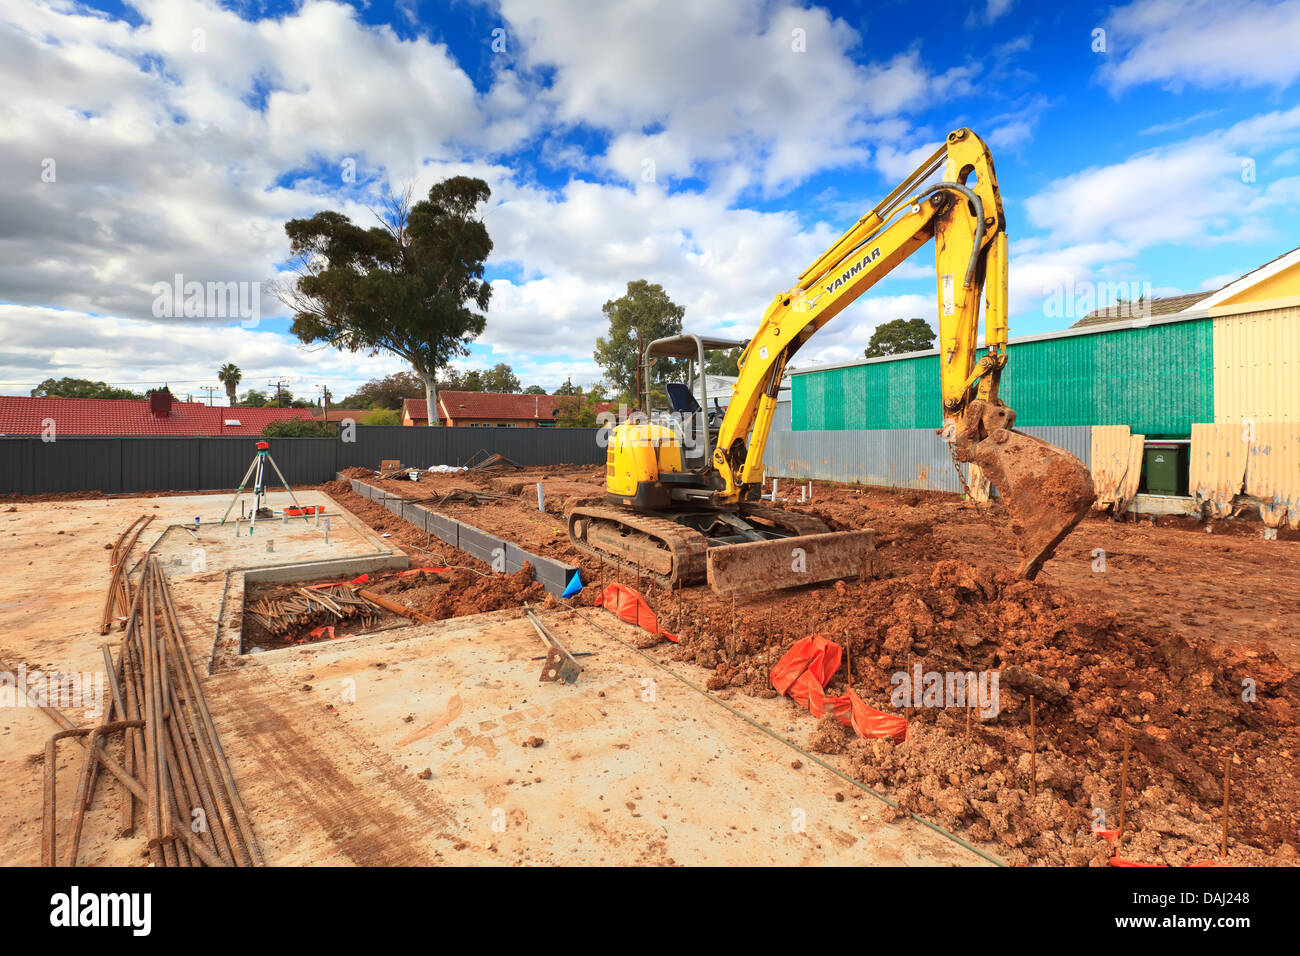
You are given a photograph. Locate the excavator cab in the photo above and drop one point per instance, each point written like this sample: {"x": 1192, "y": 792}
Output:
{"x": 687, "y": 399}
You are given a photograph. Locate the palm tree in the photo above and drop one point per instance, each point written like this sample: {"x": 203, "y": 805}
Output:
{"x": 230, "y": 376}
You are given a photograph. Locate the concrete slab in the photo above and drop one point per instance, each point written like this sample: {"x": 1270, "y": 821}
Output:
{"x": 633, "y": 767}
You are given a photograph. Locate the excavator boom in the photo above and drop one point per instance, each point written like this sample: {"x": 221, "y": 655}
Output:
{"x": 1046, "y": 490}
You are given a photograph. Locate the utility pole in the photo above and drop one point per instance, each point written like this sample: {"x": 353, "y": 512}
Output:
{"x": 209, "y": 389}
{"x": 278, "y": 385}
{"x": 325, "y": 403}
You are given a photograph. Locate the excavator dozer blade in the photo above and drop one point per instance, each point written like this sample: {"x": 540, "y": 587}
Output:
{"x": 759, "y": 566}
{"x": 1047, "y": 490}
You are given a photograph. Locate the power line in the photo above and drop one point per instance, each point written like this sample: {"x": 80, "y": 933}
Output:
{"x": 278, "y": 385}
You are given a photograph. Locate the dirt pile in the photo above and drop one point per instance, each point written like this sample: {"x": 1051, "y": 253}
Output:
{"x": 456, "y": 592}
{"x": 1185, "y": 705}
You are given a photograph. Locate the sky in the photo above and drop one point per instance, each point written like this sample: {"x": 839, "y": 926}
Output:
{"x": 714, "y": 148}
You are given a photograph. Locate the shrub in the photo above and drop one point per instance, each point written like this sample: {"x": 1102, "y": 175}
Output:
{"x": 298, "y": 428}
{"x": 382, "y": 416}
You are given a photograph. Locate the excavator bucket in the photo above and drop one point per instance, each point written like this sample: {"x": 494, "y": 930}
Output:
{"x": 758, "y": 566}
{"x": 1047, "y": 490}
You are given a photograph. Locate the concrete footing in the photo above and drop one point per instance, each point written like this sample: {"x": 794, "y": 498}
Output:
{"x": 501, "y": 555}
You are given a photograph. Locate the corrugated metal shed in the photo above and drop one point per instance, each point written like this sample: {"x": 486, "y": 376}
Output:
{"x": 1217, "y": 469}
{"x": 1157, "y": 378}
{"x": 1257, "y": 366}
{"x": 898, "y": 458}
{"x": 1273, "y": 472}
{"x": 898, "y": 394}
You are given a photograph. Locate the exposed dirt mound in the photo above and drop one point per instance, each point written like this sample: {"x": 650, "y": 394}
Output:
{"x": 460, "y": 591}
{"x": 1186, "y": 706}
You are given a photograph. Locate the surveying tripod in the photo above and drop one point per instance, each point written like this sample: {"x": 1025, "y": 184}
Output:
{"x": 257, "y": 472}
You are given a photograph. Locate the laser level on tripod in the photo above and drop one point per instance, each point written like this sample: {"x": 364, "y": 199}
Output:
{"x": 257, "y": 471}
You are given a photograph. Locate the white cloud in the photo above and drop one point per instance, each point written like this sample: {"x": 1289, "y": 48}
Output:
{"x": 1194, "y": 190}
{"x": 691, "y": 84}
{"x": 1203, "y": 43}
{"x": 1096, "y": 223}
{"x": 1172, "y": 125}
{"x": 44, "y": 343}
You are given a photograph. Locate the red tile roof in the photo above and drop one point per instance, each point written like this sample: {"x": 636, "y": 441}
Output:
{"x": 21, "y": 415}
{"x": 495, "y": 405}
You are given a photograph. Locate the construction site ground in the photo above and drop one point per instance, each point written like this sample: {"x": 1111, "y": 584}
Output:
{"x": 436, "y": 743}
{"x": 427, "y": 744}
{"x": 1180, "y": 639}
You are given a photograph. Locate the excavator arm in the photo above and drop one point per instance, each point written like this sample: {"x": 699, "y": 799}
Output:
{"x": 963, "y": 215}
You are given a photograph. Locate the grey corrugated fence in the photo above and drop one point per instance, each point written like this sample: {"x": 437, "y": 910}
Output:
{"x": 903, "y": 458}
{"x": 897, "y": 457}
{"x": 128, "y": 464}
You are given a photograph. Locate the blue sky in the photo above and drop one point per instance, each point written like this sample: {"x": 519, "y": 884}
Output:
{"x": 714, "y": 148}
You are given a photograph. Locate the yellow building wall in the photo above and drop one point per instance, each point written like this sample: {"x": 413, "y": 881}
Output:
{"x": 1277, "y": 291}
{"x": 1257, "y": 366}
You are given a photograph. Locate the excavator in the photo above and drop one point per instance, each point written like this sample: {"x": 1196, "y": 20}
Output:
{"x": 684, "y": 500}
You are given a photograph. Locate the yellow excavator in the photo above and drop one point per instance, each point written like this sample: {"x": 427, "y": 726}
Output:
{"x": 684, "y": 485}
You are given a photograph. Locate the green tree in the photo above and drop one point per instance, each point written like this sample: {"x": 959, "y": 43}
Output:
{"x": 386, "y": 392}
{"x": 412, "y": 286}
{"x": 255, "y": 399}
{"x": 898, "y": 336}
{"x": 568, "y": 388}
{"x": 455, "y": 380}
{"x": 298, "y": 428}
{"x": 80, "y": 388}
{"x": 230, "y": 376}
{"x": 724, "y": 362}
{"x": 576, "y": 411}
{"x": 501, "y": 378}
{"x": 534, "y": 390}
{"x": 636, "y": 319}
{"x": 382, "y": 416}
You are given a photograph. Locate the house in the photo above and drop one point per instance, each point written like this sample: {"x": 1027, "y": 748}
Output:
{"x": 1274, "y": 285}
{"x": 160, "y": 414}
{"x": 489, "y": 410}
{"x": 415, "y": 411}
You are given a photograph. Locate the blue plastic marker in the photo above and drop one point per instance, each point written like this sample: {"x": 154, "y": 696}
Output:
{"x": 574, "y": 585}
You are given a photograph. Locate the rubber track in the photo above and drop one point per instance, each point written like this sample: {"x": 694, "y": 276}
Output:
{"x": 687, "y": 546}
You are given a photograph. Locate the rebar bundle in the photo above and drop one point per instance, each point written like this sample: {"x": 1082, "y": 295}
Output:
{"x": 173, "y": 762}
{"x": 286, "y": 617}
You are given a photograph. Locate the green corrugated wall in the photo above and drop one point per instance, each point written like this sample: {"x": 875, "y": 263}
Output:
{"x": 1157, "y": 380}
